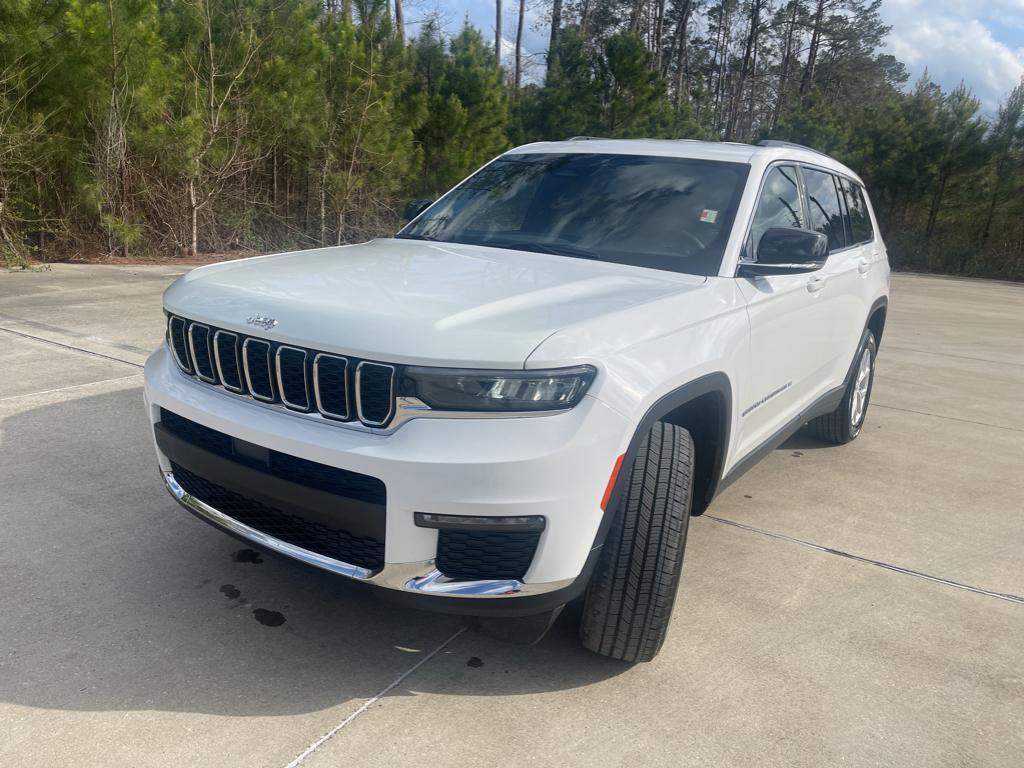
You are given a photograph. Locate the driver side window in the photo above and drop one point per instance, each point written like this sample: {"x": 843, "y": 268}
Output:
{"x": 778, "y": 206}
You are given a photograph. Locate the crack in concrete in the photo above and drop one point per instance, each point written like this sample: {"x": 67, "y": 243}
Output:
{"x": 69, "y": 387}
{"x": 948, "y": 418}
{"x": 952, "y": 354}
{"x": 370, "y": 702}
{"x": 73, "y": 334}
{"x": 860, "y": 559}
{"x": 71, "y": 347}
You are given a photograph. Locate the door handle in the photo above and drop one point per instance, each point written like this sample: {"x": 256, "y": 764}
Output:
{"x": 815, "y": 284}
{"x": 864, "y": 266}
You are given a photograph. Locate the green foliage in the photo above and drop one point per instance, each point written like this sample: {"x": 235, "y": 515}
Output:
{"x": 465, "y": 106}
{"x": 176, "y": 126}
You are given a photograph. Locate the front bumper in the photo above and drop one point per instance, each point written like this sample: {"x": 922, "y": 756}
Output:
{"x": 551, "y": 466}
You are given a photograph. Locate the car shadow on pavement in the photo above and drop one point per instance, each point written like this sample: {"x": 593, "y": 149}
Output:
{"x": 114, "y": 598}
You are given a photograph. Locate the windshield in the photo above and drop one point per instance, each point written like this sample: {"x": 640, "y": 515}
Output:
{"x": 659, "y": 212}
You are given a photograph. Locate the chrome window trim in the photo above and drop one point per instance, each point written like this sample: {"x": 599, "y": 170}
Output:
{"x": 359, "y": 394}
{"x": 280, "y": 379}
{"x": 220, "y": 369}
{"x": 187, "y": 365}
{"x": 248, "y": 379}
{"x": 192, "y": 350}
{"x": 316, "y": 387}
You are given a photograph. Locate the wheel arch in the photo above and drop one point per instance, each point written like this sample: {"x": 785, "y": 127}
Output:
{"x": 703, "y": 407}
{"x": 876, "y": 318}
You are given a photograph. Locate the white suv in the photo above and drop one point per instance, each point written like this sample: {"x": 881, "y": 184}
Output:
{"x": 521, "y": 398}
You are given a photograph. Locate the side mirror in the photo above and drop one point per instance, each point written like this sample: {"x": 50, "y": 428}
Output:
{"x": 785, "y": 251}
{"x": 415, "y": 207}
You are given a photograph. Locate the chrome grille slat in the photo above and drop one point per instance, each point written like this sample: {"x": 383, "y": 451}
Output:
{"x": 178, "y": 339}
{"x": 202, "y": 357}
{"x": 286, "y": 372}
{"x": 317, "y": 384}
{"x": 257, "y": 365}
{"x": 375, "y": 396}
{"x": 327, "y": 369}
{"x": 232, "y": 380}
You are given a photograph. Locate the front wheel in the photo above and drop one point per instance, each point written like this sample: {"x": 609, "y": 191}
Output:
{"x": 629, "y": 600}
{"x": 845, "y": 422}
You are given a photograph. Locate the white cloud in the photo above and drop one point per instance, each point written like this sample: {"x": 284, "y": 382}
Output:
{"x": 950, "y": 39}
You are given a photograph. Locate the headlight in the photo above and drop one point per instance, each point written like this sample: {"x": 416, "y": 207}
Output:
{"x": 455, "y": 389}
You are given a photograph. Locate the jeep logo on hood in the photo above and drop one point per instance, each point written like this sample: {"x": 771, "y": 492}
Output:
{"x": 266, "y": 323}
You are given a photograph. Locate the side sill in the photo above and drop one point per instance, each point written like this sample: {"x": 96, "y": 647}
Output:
{"x": 824, "y": 404}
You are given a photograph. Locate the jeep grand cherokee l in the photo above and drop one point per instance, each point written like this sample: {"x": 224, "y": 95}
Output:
{"x": 523, "y": 396}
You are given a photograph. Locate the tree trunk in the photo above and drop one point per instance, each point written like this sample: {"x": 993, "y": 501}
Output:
{"x": 519, "y": 44}
{"x": 682, "y": 67}
{"x": 812, "y": 52}
{"x": 497, "y": 34}
{"x": 659, "y": 22}
{"x": 787, "y": 60}
{"x": 997, "y": 186}
{"x": 556, "y": 24}
{"x": 933, "y": 213}
{"x": 399, "y": 20}
{"x": 585, "y": 21}
{"x": 721, "y": 57}
{"x": 193, "y": 219}
{"x": 748, "y": 50}
{"x": 323, "y": 205}
{"x": 634, "y": 16}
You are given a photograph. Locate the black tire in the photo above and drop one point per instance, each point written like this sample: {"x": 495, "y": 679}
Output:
{"x": 629, "y": 600}
{"x": 841, "y": 426}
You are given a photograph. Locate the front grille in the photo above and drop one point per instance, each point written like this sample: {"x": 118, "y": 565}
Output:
{"x": 472, "y": 555}
{"x": 364, "y": 551}
{"x": 342, "y": 482}
{"x": 297, "y": 379}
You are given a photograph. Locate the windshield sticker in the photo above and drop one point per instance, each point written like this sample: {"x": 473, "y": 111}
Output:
{"x": 708, "y": 216}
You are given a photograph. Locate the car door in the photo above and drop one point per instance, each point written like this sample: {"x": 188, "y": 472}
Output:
{"x": 788, "y": 341}
{"x": 842, "y": 293}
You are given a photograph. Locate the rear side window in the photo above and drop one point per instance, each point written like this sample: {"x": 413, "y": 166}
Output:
{"x": 826, "y": 210}
{"x": 778, "y": 206}
{"x": 860, "y": 220}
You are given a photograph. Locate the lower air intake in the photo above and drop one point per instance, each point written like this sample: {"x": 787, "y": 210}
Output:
{"x": 364, "y": 551}
{"x": 473, "y": 555}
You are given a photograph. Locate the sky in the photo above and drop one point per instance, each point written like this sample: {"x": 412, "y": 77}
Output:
{"x": 978, "y": 41}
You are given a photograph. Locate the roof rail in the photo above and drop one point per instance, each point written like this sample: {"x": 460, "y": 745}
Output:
{"x": 788, "y": 144}
{"x": 586, "y": 138}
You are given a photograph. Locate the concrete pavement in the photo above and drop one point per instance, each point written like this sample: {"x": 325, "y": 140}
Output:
{"x": 134, "y": 635}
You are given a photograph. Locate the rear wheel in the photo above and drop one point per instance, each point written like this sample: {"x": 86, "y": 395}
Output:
{"x": 845, "y": 422}
{"x": 629, "y": 600}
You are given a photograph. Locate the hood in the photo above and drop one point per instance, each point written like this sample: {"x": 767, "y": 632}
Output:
{"x": 416, "y": 302}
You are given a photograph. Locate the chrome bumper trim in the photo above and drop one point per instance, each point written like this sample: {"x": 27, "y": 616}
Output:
{"x": 241, "y": 529}
{"x": 421, "y": 577}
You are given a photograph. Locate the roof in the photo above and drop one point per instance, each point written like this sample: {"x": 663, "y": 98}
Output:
{"x": 724, "y": 151}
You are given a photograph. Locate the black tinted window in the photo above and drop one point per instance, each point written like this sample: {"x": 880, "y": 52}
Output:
{"x": 860, "y": 220}
{"x": 779, "y": 204}
{"x": 659, "y": 212}
{"x": 826, "y": 212}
